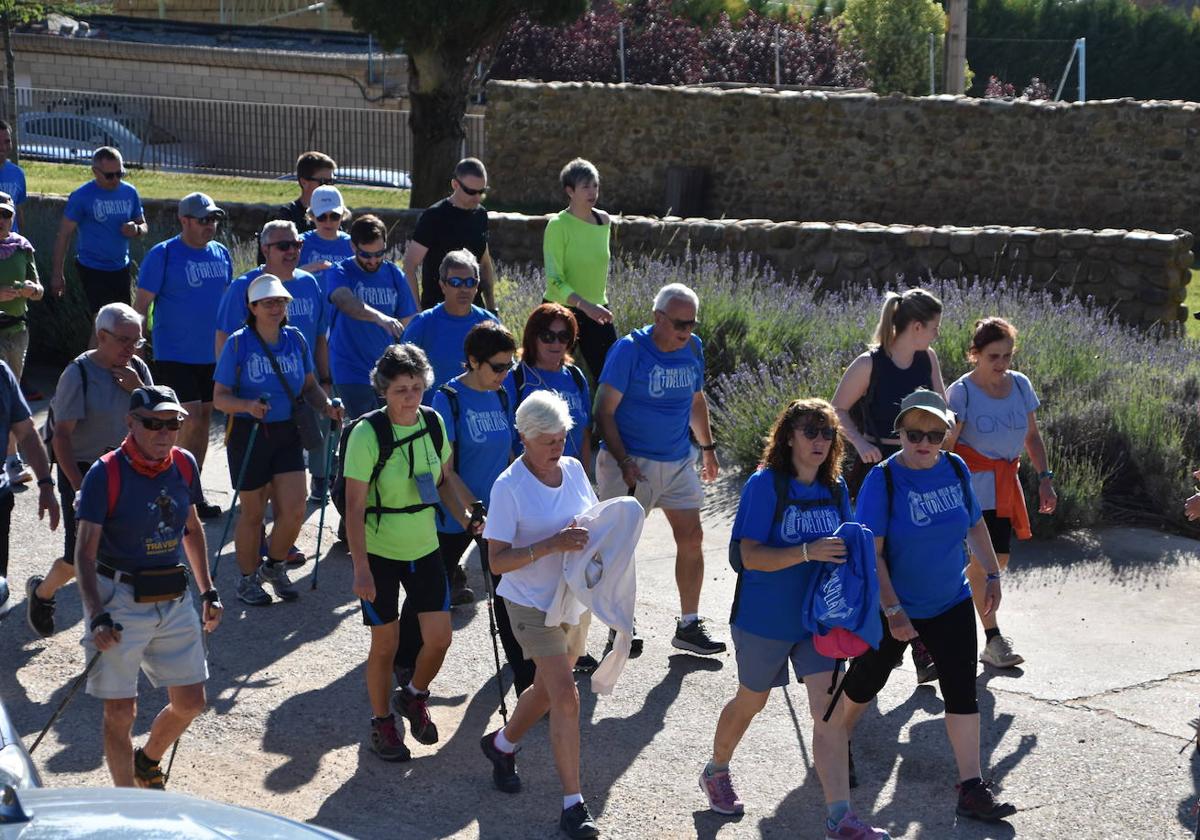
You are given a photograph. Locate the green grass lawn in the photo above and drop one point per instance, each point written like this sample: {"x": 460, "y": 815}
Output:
{"x": 61, "y": 179}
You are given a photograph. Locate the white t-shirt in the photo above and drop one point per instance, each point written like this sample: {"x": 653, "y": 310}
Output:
{"x": 523, "y": 511}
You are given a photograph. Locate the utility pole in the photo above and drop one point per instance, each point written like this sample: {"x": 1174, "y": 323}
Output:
{"x": 956, "y": 48}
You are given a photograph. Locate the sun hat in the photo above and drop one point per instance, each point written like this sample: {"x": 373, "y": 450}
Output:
{"x": 326, "y": 199}
{"x": 928, "y": 401}
{"x": 267, "y": 286}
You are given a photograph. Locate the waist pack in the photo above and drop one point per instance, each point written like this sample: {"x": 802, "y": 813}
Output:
{"x": 151, "y": 586}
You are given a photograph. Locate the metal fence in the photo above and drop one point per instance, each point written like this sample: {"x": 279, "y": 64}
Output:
{"x": 226, "y": 138}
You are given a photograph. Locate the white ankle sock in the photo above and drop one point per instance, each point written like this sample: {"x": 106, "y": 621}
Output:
{"x": 685, "y": 620}
{"x": 571, "y": 800}
{"x": 503, "y": 744}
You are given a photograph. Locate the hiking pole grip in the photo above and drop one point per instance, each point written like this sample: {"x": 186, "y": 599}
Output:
{"x": 336, "y": 402}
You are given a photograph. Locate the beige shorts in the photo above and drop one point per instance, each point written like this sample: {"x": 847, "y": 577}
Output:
{"x": 537, "y": 640}
{"x": 13, "y": 347}
{"x": 670, "y": 485}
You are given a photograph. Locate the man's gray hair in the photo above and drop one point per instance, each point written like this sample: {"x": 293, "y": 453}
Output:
{"x": 274, "y": 225}
{"x": 113, "y": 315}
{"x": 462, "y": 258}
{"x": 107, "y": 153}
{"x": 674, "y": 291}
{"x": 543, "y": 413}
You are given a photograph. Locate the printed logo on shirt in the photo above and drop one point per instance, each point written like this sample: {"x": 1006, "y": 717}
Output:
{"x": 374, "y": 296}
{"x": 121, "y": 208}
{"x": 664, "y": 379}
{"x": 988, "y": 424}
{"x": 302, "y": 309}
{"x": 797, "y": 522}
{"x": 164, "y": 538}
{"x": 479, "y": 423}
{"x": 258, "y": 367}
{"x": 922, "y": 507}
{"x": 198, "y": 271}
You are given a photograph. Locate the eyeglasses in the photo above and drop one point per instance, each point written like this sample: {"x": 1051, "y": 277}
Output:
{"x": 681, "y": 324}
{"x": 371, "y": 255}
{"x": 555, "y": 336}
{"x": 501, "y": 367}
{"x": 468, "y": 190}
{"x": 916, "y": 436}
{"x": 272, "y": 303}
{"x": 126, "y": 340}
{"x": 210, "y": 219}
{"x": 813, "y": 432}
{"x": 154, "y": 424}
{"x": 287, "y": 245}
{"x": 109, "y": 176}
{"x": 323, "y": 182}
{"x": 330, "y": 217}
{"x": 462, "y": 282}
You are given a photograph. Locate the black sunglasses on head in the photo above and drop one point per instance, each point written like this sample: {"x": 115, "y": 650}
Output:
{"x": 916, "y": 436}
{"x": 813, "y": 432}
{"x": 555, "y": 336}
{"x": 154, "y": 424}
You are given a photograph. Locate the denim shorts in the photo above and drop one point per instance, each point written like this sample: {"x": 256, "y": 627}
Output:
{"x": 762, "y": 662}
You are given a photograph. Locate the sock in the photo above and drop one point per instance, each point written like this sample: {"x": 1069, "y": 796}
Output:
{"x": 571, "y": 800}
{"x": 413, "y": 690}
{"x": 835, "y": 811}
{"x": 503, "y": 744}
{"x": 712, "y": 768}
{"x": 382, "y": 719}
{"x": 688, "y": 618}
{"x": 990, "y": 633}
{"x": 970, "y": 784}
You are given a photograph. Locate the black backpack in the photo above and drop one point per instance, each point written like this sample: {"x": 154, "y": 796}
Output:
{"x": 388, "y": 444}
{"x": 782, "y": 503}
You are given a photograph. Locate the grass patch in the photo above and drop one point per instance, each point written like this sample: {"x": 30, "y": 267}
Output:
{"x": 1192, "y": 302}
{"x": 62, "y": 178}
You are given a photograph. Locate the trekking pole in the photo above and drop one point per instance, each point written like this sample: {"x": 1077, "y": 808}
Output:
{"x": 78, "y": 682}
{"x": 335, "y": 426}
{"x": 241, "y": 475}
{"x": 477, "y": 514}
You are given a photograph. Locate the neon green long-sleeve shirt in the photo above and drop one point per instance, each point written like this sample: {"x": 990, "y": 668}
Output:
{"x": 576, "y": 258}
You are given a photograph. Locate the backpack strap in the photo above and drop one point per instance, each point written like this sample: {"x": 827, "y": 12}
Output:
{"x": 112, "y": 471}
{"x": 388, "y": 444}
{"x": 577, "y": 375}
{"x": 503, "y": 395}
{"x": 519, "y": 379}
{"x": 451, "y": 395}
{"x": 184, "y": 464}
{"x": 782, "y": 480}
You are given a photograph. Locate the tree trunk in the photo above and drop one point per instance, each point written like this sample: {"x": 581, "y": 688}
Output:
{"x": 437, "y": 92}
{"x": 10, "y": 78}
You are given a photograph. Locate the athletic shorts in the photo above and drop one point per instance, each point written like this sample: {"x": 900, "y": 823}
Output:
{"x": 162, "y": 639}
{"x": 192, "y": 383}
{"x": 13, "y": 346}
{"x": 425, "y": 587}
{"x": 763, "y": 663}
{"x": 537, "y": 640}
{"x": 104, "y": 287}
{"x": 670, "y": 485}
{"x": 277, "y": 451}
{"x": 1000, "y": 530}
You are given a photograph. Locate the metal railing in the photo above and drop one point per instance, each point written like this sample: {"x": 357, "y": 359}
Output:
{"x": 219, "y": 137}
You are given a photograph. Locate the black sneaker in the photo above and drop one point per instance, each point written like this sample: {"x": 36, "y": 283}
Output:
{"x": 206, "y": 510}
{"x": 147, "y": 773}
{"x": 415, "y": 707}
{"x": 586, "y": 664}
{"x": 635, "y": 645}
{"x": 978, "y": 803}
{"x": 923, "y": 662}
{"x": 39, "y": 613}
{"x": 577, "y": 821}
{"x": 504, "y": 765}
{"x": 694, "y": 637}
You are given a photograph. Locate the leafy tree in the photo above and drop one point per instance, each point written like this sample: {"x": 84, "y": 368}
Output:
{"x": 894, "y": 35}
{"x": 444, "y": 40}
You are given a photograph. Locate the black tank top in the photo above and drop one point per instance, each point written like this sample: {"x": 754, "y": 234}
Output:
{"x": 891, "y": 385}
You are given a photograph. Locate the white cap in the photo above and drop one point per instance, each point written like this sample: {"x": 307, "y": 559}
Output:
{"x": 267, "y": 286}
{"x": 326, "y": 199}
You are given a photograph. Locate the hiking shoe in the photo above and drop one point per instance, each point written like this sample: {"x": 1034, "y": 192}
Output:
{"x": 462, "y": 597}
{"x": 923, "y": 662}
{"x": 207, "y": 510}
{"x": 18, "y": 473}
{"x": 387, "y": 740}
{"x": 504, "y": 765}
{"x": 577, "y": 822}
{"x": 998, "y": 652}
{"x": 39, "y": 613}
{"x": 694, "y": 637}
{"x": 250, "y": 591}
{"x": 295, "y": 558}
{"x": 722, "y": 798}
{"x": 977, "y": 802}
{"x": 276, "y": 576}
{"x": 852, "y": 828}
{"x": 850, "y": 766}
{"x": 415, "y": 707}
{"x": 318, "y": 490}
{"x": 4, "y": 593}
{"x": 635, "y": 645}
{"x": 147, "y": 773}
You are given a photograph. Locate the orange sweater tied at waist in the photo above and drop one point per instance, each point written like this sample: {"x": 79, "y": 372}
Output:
{"x": 1010, "y": 498}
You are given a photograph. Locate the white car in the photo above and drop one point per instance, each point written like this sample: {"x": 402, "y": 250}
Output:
{"x": 63, "y": 137}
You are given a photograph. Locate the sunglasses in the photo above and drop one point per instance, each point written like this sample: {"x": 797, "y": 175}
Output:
{"x": 813, "y": 432}
{"x": 324, "y": 182}
{"x": 154, "y": 424}
{"x": 371, "y": 255}
{"x": 289, "y": 245}
{"x": 468, "y": 190}
{"x": 934, "y": 437}
{"x": 501, "y": 367}
{"x": 555, "y": 336}
{"x": 680, "y": 324}
{"x": 210, "y": 219}
{"x": 124, "y": 340}
{"x": 109, "y": 176}
{"x": 6, "y": 214}
{"x": 330, "y": 217}
{"x": 462, "y": 282}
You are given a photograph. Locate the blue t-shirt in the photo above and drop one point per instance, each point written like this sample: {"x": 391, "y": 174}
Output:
{"x": 145, "y": 530}
{"x": 12, "y": 181}
{"x": 355, "y": 346}
{"x": 245, "y": 368}
{"x": 332, "y": 250}
{"x": 656, "y": 407}
{"x": 13, "y": 409}
{"x": 925, "y": 529}
{"x": 768, "y": 603}
{"x": 995, "y": 428}
{"x": 308, "y": 310}
{"x": 100, "y": 214}
{"x": 441, "y": 336}
{"x": 563, "y": 383}
{"x": 188, "y": 284}
{"x": 484, "y": 433}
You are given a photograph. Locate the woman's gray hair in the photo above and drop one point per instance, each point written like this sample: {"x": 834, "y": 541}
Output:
{"x": 274, "y": 225}
{"x": 674, "y": 291}
{"x": 113, "y": 315}
{"x": 462, "y": 258}
{"x": 401, "y": 360}
{"x": 543, "y": 413}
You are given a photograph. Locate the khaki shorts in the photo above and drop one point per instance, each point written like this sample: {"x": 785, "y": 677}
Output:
{"x": 670, "y": 485}
{"x": 537, "y": 640}
{"x": 162, "y": 639}
{"x": 13, "y": 347}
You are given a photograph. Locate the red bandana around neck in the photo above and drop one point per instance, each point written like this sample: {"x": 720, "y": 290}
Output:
{"x": 141, "y": 464}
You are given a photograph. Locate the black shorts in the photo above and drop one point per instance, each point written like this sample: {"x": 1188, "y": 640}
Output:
{"x": 104, "y": 287}
{"x": 1000, "y": 530}
{"x": 66, "y": 498}
{"x": 192, "y": 383}
{"x": 277, "y": 450}
{"x": 425, "y": 588}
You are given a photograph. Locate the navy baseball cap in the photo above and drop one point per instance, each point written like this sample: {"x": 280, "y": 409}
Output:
{"x": 155, "y": 398}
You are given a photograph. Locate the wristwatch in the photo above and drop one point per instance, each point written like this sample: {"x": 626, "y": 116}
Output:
{"x": 45, "y": 481}
{"x": 708, "y": 447}
{"x": 211, "y": 596}
{"x": 1045, "y": 474}
{"x": 894, "y": 609}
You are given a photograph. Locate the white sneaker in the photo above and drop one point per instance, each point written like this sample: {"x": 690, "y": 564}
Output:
{"x": 18, "y": 473}
{"x": 998, "y": 653}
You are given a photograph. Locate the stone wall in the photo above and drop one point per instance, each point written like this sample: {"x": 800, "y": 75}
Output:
{"x": 1141, "y": 275}
{"x": 857, "y": 156}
